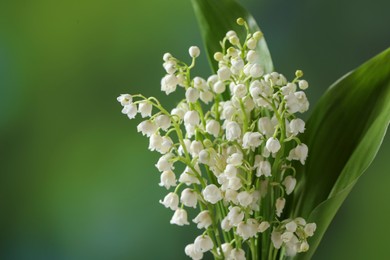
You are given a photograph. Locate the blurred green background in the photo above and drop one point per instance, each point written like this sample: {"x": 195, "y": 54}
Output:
{"x": 77, "y": 181}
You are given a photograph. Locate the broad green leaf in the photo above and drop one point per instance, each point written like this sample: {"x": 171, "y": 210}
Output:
{"x": 216, "y": 18}
{"x": 343, "y": 134}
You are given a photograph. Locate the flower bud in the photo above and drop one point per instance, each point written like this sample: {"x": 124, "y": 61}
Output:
{"x": 194, "y": 51}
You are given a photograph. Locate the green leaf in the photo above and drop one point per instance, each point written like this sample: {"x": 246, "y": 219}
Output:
{"x": 343, "y": 134}
{"x": 216, "y": 18}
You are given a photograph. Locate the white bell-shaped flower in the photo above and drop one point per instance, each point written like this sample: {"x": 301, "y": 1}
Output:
{"x": 130, "y": 110}
{"x": 203, "y": 243}
{"x": 237, "y": 254}
{"x": 180, "y": 217}
{"x": 235, "y": 216}
{"x": 303, "y": 84}
{"x": 224, "y": 73}
{"x": 225, "y": 224}
{"x": 235, "y": 159}
{"x": 125, "y": 99}
{"x": 273, "y": 145}
{"x": 251, "y": 140}
{"x": 203, "y": 219}
{"x": 244, "y": 198}
{"x": 213, "y": 127}
{"x": 171, "y": 201}
{"x": 256, "y": 71}
{"x": 264, "y": 169}
{"x": 166, "y": 145}
{"x": 145, "y": 109}
{"x": 219, "y": 87}
{"x": 289, "y": 182}
{"x": 188, "y": 177}
{"x": 164, "y": 163}
{"x": 265, "y": 126}
{"x": 155, "y": 142}
{"x": 206, "y": 96}
{"x": 147, "y": 128}
{"x": 297, "y": 126}
{"x": 247, "y": 229}
{"x": 212, "y": 194}
{"x": 233, "y": 131}
{"x": 279, "y": 205}
{"x": 194, "y": 51}
{"x": 263, "y": 226}
{"x": 163, "y": 121}
{"x": 191, "y": 251}
{"x": 169, "y": 83}
{"x": 240, "y": 90}
{"x": 167, "y": 179}
{"x": 310, "y": 229}
{"x": 291, "y": 226}
{"x": 192, "y": 95}
{"x": 191, "y": 118}
{"x": 276, "y": 238}
{"x": 189, "y": 198}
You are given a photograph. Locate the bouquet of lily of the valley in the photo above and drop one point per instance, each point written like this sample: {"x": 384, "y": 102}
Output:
{"x": 265, "y": 184}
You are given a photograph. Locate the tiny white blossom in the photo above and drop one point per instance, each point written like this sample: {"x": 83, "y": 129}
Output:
{"x": 125, "y": 99}
{"x": 226, "y": 249}
{"x": 130, "y": 110}
{"x": 287, "y": 236}
{"x": 231, "y": 196}
{"x": 212, "y": 194}
{"x": 194, "y": 51}
{"x": 170, "y": 67}
{"x": 188, "y": 177}
{"x": 300, "y": 153}
{"x": 256, "y": 71}
{"x": 273, "y": 145}
{"x": 247, "y": 229}
{"x": 180, "y": 217}
{"x": 224, "y": 73}
{"x": 171, "y": 201}
{"x": 189, "y": 198}
{"x": 163, "y": 121}
{"x": 251, "y": 140}
{"x": 297, "y": 126}
{"x": 233, "y": 131}
{"x": 237, "y": 254}
{"x": 303, "y": 84}
{"x": 263, "y": 226}
{"x": 166, "y": 145}
{"x": 191, "y": 118}
{"x": 235, "y": 159}
{"x": 251, "y": 56}
{"x": 289, "y": 182}
{"x": 147, "y": 128}
{"x": 234, "y": 183}
{"x": 219, "y": 87}
{"x": 203, "y": 219}
{"x": 145, "y": 109}
{"x": 196, "y": 147}
{"x": 192, "y": 252}
{"x": 206, "y": 96}
{"x": 239, "y": 90}
{"x": 310, "y": 229}
{"x": 213, "y": 127}
{"x": 304, "y": 246}
{"x": 169, "y": 83}
{"x": 276, "y": 238}
{"x": 264, "y": 169}
{"x": 203, "y": 243}
{"x": 244, "y": 198}
{"x": 235, "y": 216}
{"x": 291, "y": 226}
{"x": 280, "y": 203}
{"x": 225, "y": 224}
{"x": 167, "y": 179}
{"x": 164, "y": 163}
{"x": 266, "y": 126}
{"x": 192, "y": 95}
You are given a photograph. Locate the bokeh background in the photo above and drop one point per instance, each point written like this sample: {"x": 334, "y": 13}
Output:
{"x": 76, "y": 180}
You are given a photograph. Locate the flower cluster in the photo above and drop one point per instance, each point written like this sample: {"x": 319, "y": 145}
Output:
{"x": 237, "y": 135}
